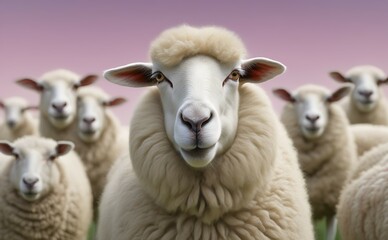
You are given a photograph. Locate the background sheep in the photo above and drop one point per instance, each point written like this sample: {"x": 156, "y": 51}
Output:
{"x": 58, "y": 90}
{"x": 44, "y": 191}
{"x": 99, "y": 137}
{"x": 368, "y": 136}
{"x": 17, "y": 120}
{"x": 363, "y": 209}
{"x": 189, "y": 141}
{"x": 366, "y": 103}
{"x": 326, "y": 149}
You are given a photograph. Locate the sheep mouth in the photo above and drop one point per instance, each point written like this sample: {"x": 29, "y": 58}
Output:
{"x": 199, "y": 157}
{"x": 88, "y": 132}
{"x": 366, "y": 102}
{"x": 60, "y": 117}
{"x": 313, "y": 129}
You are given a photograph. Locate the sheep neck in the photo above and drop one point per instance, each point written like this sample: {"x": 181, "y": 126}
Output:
{"x": 231, "y": 181}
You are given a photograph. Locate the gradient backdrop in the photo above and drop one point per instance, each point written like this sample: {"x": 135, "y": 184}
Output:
{"x": 311, "y": 37}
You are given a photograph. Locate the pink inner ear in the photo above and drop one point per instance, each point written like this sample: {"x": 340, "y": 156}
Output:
{"x": 115, "y": 102}
{"x": 6, "y": 148}
{"x": 284, "y": 94}
{"x": 29, "y": 83}
{"x": 258, "y": 71}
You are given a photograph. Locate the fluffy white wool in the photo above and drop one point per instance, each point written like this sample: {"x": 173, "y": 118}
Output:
{"x": 175, "y": 44}
{"x": 254, "y": 190}
{"x": 368, "y": 136}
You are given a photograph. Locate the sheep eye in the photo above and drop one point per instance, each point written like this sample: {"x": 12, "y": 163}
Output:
{"x": 159, "y": 77}
{"x": 16, "y": 155}
{"x": 52, "y": 157}
{"x": 235, "y": 75}
{"x": 75, "y": 86}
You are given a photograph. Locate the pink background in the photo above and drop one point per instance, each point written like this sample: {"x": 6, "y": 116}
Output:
{"x": 311, "y": 37}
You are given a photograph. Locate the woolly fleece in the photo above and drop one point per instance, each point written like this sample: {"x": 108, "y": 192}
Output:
{"x": 368, "y": 136}
{"x": 326, "y": 161}
{"x": 175, "y": 44}
{"x": 254, "y": 190}
{"x": 65, "y": 213}
{"x": 362, "y": 209}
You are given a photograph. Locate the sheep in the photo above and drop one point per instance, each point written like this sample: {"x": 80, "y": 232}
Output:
{"x": 366, "y": 103}
{"x": 368, "y": 136}
{"x": 57, "y": 106}
{"x": 18, "y": 121}
{"x": 210, "y": 159}
{"x": 363, "y": 209}
{"x": 99, "y": 138}
{"x": 325, "y": 146}
{"x": 44, "y": 191}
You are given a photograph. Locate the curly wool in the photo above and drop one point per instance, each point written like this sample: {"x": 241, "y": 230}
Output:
{"x": 56, "y": 216}
{"x": 326, "y": 162}
{"x": 363, "y": 209}
{"x": 367, "y": 136}
{"x": 255, "y": 190}
{"x": 175, "y": 44}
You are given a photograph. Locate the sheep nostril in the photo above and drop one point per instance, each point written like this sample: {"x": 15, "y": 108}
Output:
{"x": 30, "y": 182}
{"x": 89, "y": 120}
{"x": 365, "y": 93}
{"x": 312, "y": 118}
{"x": 59, "y": 106}
{"x": 196, "y": 125}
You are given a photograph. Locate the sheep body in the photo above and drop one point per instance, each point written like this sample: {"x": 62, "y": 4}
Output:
{"x": 65, "y": 213}
{"x": 171, "y": 201}
{"x": 362, "y": 209}
{"x": 28, "y": 123}
{"x": 98, "y": 156}
{"x": 367, "y": 136}
{"x": 325, "y": 161}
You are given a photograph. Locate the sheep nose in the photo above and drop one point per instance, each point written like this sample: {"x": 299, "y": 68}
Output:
{"x": 59, "y": 106}
{"x": 195, "y": 123}
{"x": 89, "y": 120}
{"x": 11, "y": 123}
{"x": 365, "y": 93}
{"x": 312, "y": 117}
{"x": 30, "y": 181}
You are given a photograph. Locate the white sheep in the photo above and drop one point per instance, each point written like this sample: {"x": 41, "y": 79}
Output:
{"x": 57, "y": 106}
{"x": 44, "y": 191}
{"x": 362, "y": 209}
{"x": 99, "y": 138}
{"x": 325, "y": 146}
{"x": 18, "y": 121}
{"x": 366, "y": 103}
{"x": 210, "y": 158}
{"x": 368, "y": 136}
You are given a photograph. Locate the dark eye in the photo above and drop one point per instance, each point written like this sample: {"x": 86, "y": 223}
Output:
{"x": 52, "y": 157}
{"x": 234, "y": 76}
{"x": 16, "y": 155}
{"x": 75, "y": 86}
{"x": 159, "y": 78}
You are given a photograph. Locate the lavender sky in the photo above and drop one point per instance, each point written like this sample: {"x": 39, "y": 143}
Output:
{"x": 311, "y": 37}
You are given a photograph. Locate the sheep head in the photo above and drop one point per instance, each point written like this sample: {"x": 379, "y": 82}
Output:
{"x": 16, "y": 110}
{"x": 58, "y": 94}
{"x": 311, "y": 104}
{"x": 198, "y": 72}
{"x": 34, "y": 173}
{"x": 366, "y": 80}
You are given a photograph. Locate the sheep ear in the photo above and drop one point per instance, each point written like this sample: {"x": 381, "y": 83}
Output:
{"x": 6, "y": 148}
{"x": 257, "y": 70}
{"x": 87, "y": 80}
{"x": 63, "y": 147}
{"x": 31, "y": 84}
{"x": 284, "y": 94}
{"x": 1, "y": 104}
{"x": 132, "y": 75}
{"x": 383, "y": 81}
{"x": 115, "y": 102}
{"x": 339, "y": 94}
{"x": 339, "y": 77}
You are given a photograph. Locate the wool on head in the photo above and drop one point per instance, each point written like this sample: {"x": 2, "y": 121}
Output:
{"x": 175, "y": 44}
{"x": 59, "y": 75}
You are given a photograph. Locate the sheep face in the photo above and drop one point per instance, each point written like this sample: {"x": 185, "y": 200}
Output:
{"x": 58, "y": 96}
{"x": 33, "y": 173}
{"x": 91, "y": 118}
{"x": 366, "y": 81}
{"x": 200, "y": 100}
{"x": 15, "y": 112}
{"x": 311, "y": 104}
